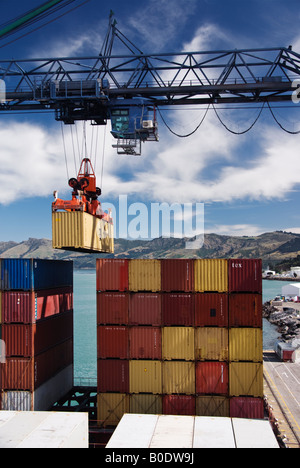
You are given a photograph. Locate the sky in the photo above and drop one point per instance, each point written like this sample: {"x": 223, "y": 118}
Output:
{"x": 247, "y": 184}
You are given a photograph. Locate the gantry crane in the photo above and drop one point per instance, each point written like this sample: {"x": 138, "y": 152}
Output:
{"x": 129, "y": 89}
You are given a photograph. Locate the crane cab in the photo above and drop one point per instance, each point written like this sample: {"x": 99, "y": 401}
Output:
{"x": 133, "y": 121}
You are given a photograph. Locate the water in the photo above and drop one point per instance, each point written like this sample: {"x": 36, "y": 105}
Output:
{"x": 85, "y": 324}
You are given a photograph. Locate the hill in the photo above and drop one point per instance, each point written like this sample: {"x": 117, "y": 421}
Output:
{"x": 277, "y": 247}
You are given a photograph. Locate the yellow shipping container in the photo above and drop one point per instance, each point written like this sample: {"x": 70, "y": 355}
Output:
{"x": 81, "y": 231}
{"x": 212, "y": 406}
{"x": 246, "y": 378}
{"x": 179, "y": 377}
{"x": 144, "y": 275}
{"x": 211, "y": 344}
{"x": 145, "y": 376}
{"x": 178, "y": 343}
{"x": 246, "y": 344}
{"x": 111, "y": 407}
{"x": 145, "y": 403}
{"x": 211, "y": 275}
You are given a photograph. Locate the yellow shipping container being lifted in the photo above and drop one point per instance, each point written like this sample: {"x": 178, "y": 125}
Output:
{"x": 144, "y": 275}
{"x": 81, "y": 231}
{"x": 211, "y": 275}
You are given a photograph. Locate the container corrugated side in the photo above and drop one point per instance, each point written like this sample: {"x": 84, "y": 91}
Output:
{"x": 245, "y": 275}
{"x": 144, "y": 275}
{"x": 217, "y": 406}
{"x": 112, "y": 274}
{"x": 35, "y": 274}
{"x": 212, "y": 378}
{"x": 13, "y": 400}
{"x": 145, "y": 403}
{"x": 247, "y": 407}
{"x": 177, "y": 275}
{"x": 245, "y": 310}
{"x": 145, "y": 309}
{"x": 211, "y": 309}
{"x": 112, "y": 342}
{"x": 82, "y": 231}
{"x": 178, "y": 343}
{"x": 112, "y": 308}
{"x": 145, "y": 343}
{"x": 112, "y": 375}
{"x": 211, "y": 275}
{"x": 211, "y": 344}
{"x": 246, "y": 344}
{"x": 111, "y": 407}
{"x": 145, "y": 376}
{"x": 246, "y": 379}
{"x": 178, "y": 309}
{"x": 179, "y": 404}
{"x": 178, "y": 377}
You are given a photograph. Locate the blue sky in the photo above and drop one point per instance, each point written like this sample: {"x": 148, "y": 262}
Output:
{"x": 249, "y": 184}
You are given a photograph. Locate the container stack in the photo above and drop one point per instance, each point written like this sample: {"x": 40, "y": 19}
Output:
{"x": 179, "y": 337}
{"x": 36, "y": 325}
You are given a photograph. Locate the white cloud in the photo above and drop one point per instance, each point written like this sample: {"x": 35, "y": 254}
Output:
{"x": 237, "y": 230}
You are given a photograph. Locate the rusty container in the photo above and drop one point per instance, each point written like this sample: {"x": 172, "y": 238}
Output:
{"x": 112, "y": 342}
{"x": 211, "y": 309}
{"x": 112, "y": 308}
{"x": 113, "y": 375}
{"x": 246, "y": 407}
{"x": 245, "y": 275}
{"x": 245, "y": 310}
{"x": 145, "y": 309}
{"x": 179, "y": 404}
{"x": 177, "y": 275}
{"x": 178, "y": 309}
{"x": 212, "y": 405}
{"x": 145, "y": 343}
{"x": 211, "y": 344}
{"x": 144, "y": 275}
{"x": 212, "y": 378}
{"x": 111, "y": 274}
{"x": 145, "y": 403}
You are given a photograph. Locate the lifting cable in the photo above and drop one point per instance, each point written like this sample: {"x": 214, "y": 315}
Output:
{"x": 244, "y": 131}
{"x": 63, "y": 137}
{"x": 188, "y": 134}
{"x": 280, "y": 125}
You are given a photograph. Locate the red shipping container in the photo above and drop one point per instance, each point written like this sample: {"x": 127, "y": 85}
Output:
{"x": 245, "y": 310}
{"x": 212, "y": 378}
{"x": 145, "y": 343}
{"x": 20, "y": 373}
{"x": 112, "y": 308}
{"x": 211, "y": 310}
{"x": 179, "y": 404}
{"x": 246, "y": 407}
{"x": 29, "y": 307}
{"x": 178, "y": 309}
{"x": 145, "y": 309}
{"x": 112, "y": 342}
{"x": 245, "y": 275}
{"x": 112, "y": 274}
{"x": 28, "y": 340}
{"x": 112, "y": 375}
{"x": 177, "y": 275}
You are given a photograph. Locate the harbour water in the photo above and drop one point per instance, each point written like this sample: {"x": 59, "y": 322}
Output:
{"x": 85, "y": 325}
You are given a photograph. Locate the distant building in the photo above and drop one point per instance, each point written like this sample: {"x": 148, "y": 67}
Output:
{"x": 291, "y": 290}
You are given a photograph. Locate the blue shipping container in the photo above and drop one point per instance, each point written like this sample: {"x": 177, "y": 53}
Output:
{"x": 28, "y": 274}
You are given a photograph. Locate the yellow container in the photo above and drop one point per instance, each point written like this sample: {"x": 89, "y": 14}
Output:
{"x": 144, "y": 403}
{"x": 212, "y": 406}
{"x": 211, "y": 275}
{"x": 179, "y": 377}
{"x": 211, "y": 344}
{"x": 144, "y": 275}
{"x": 111, "y": 407}
{"x": 246, "y": 344}
{"x": 178, "y": 343}
{"x": 145, "y": 376}
{"x": 82, "y": 232}
{"x": 246, "y": 378}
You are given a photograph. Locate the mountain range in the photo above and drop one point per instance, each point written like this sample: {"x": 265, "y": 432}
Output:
{"x": 278, "y": 248}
